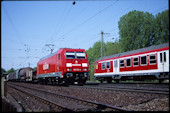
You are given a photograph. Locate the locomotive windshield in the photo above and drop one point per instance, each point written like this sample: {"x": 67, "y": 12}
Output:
{"x": 70, "y": 55}
{"x": 75, "y": 55}
{"x": 80, "y": 55}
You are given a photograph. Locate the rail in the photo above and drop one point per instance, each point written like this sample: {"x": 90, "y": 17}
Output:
{"x": 99, "y": 106}
{"x": 142, "y": 90}
{"x": 50, "y": 103}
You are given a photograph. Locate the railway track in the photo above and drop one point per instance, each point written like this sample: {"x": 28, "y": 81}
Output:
{"x": 43, "y": 100}
{"x": 140, "y": 90}
{"x": 66, "y": 103}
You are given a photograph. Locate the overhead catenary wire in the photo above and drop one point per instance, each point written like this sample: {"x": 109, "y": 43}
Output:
{"x": 107, "y": 20}
{"x": 23, "y": 43}
{"x": 87, "y": 20}
{"x": 13, "y": 25}
{"x": 60, "y": 24}
{"x": 160, "y": 9}
{"x": 110, "y": 19}
{"x": 88, "y": 29}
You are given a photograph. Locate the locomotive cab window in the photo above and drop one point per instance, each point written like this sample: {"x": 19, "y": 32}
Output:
{"x": 122, "y": 63}
{"x": 135, "y": 61}
{"x": 70, "y": 55}
{"x": 80, "y": 55}
{"x": 143, "y": 60}
{"x": 108, "y": 65}
{"x": 152, "y": 59}
{"x": 128, "y": 62}
{"x": 103, "y": 66}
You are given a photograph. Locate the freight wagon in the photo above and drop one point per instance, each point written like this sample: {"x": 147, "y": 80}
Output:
{"x": 23, "y": 74}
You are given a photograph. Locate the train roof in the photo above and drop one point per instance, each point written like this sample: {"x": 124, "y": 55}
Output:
{"x": 56, "y": 53}
{"x": 48, "y": 56}
{"x": 136, "y": 51}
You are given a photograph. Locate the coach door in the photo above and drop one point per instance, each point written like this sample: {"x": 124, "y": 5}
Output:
{"x": 115, "y": 67}
{"x": 163, "y": 57}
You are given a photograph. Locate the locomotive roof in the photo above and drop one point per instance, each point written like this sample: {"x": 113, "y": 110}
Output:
{"x": 48, "y": 56}
{"x": 53, "y": 53}
{"x": 136, "y": 51}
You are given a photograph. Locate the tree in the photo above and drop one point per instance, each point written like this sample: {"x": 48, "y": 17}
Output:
{"x": 112, "y": 48}
{"x": 35, "y": 68}
{"x": 93, "y": 54}
{"x": 139, "y": 29}
{"x": 136, "y": 30}
{"x": 10, "y": 71}
{"x": 161, "y": 27}
{"x": 2, "y": 71}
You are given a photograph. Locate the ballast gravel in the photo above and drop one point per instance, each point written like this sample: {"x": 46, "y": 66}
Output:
{"x": 134, "y": 101}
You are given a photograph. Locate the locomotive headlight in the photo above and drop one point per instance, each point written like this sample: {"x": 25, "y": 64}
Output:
{"x": 84, "y": 69}
{"x": 68, "y": 64}
{"x": 84, "y": 64}
{"x": 69, "y": 69}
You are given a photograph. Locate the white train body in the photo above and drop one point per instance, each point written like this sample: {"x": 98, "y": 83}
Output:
{"x": 146, "y": 63}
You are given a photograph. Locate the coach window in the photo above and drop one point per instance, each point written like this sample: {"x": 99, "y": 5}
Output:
{"x": 128, "y": 62}
{"x": 103, "y": 66}
{"x": 143, "y": 60}
{"x": 152, "y": 59}
{"x": 108, "y": 65}
{"x": 122, "y": 63}
{"x": 136, "y": 61}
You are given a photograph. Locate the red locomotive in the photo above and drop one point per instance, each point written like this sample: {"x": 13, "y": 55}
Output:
{"x": 65, "y": 66}
{"x": 141, "y": 64}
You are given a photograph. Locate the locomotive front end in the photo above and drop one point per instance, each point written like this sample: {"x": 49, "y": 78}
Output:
{"x": 77, "y": 66}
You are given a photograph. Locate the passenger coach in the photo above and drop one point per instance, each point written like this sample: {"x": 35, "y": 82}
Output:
{"x": 141, "y": 64}
{"x": 65, "y": 66}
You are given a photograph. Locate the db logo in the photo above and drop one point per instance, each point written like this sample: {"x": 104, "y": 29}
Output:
{"x": 45, "y": 66}
{"x": 76, "y": 61}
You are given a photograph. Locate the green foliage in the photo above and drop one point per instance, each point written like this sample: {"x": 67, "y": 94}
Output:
{"x": 10, "y": 71}
{"x": 35, "y": 68}
{"x": 139, "y": 29}
{"x": 112, "y": 48}
{"x": 135, "y": 29}
{"x": 162, "y": 27}
{"x": 94, "y": 54}
{"x": 2, "y": 71}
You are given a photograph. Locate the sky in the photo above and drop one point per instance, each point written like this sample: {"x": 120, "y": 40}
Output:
{"x": 30, "y": 28}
